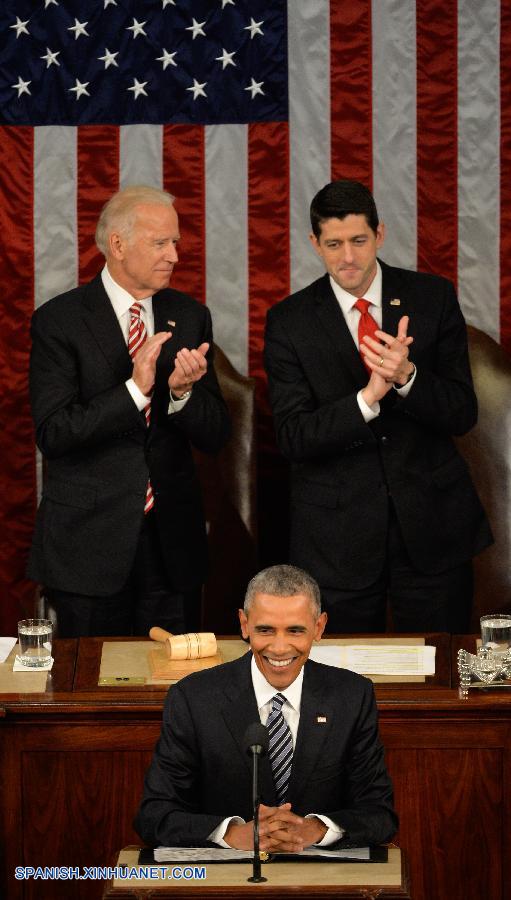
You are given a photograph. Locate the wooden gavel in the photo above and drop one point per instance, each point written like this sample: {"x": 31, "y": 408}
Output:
{"x": 193, "y": 645}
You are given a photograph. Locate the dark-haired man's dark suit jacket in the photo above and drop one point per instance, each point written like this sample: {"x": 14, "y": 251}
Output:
{"x": 201, "y": 772}
{"x": 344, "y": 470}
{"x": 99, "y": 452}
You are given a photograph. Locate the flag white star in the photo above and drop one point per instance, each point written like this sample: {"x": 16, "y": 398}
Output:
{"x": 137, "y": 28}
{"x": 254, "y": 28}
{"x": 80, "y": 88}
{"x": 226, "y": 58}
{"x": 21, "y": 87}
{"x": 46, "y": 5}
{"x": 198, "y": 89}
{"x": 21, "y": 27}
{"x": 110, "y": 3}
{"x": 196, "y": 28}
{"x": 167, "y": 59}
{"x": 255, "y": 87}
{"x": 225, "y": 2}
{"x": 138, "y": 87}
{"x": 51, "y": 58}
{"x": 109, "y": 58}
{"x": 167, "y": 2}
{"x": 79, "y": 28}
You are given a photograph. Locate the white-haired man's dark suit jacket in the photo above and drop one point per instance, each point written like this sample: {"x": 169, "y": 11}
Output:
{"x": 99, "y": 452}
{"x": 201, "y": 772}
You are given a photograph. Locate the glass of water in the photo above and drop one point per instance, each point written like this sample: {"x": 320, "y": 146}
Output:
{"x": 34, "y": 637}
{"x": 496, "y": 632}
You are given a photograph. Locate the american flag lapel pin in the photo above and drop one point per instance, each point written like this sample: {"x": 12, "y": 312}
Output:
{"x": 395, "y": 302}
{"x": 321, "y": 720}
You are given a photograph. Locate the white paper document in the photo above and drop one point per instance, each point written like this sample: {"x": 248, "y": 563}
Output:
{"x": 6, "y": 645}
{"x": 194, "y": 854}
{"x": 378, "y": 659}
{"x": 221, "y": 854}
{"x": 362, "y": 853}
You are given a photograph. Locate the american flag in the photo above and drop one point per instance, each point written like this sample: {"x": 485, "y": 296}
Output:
{"x": 243, "y": 109}
{"x": 201, "y": 62}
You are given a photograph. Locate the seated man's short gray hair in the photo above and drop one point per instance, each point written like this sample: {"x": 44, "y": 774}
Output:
{"x": 283, "y": 581}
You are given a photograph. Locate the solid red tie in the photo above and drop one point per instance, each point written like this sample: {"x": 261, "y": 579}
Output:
{"x": 136, "y": 336}
{"x": 366, "y": 324}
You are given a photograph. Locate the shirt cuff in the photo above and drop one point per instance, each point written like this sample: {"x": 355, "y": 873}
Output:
{"x": 217, "y": 836}
{"x": 404, "y": 390}
{"x": 140, "y": 400}
{"x": 368, "y": 412}
{"x": 333, "y": 834}
{"x": 176, "y": 405}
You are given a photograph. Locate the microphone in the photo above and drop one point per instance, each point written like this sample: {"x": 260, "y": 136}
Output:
{"x": 256, "y": 741}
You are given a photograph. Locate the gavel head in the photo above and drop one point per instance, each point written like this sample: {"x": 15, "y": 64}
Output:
{"x": 193, "y": 645}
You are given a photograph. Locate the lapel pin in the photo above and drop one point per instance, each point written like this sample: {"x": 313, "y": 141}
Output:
{"x": 395, "y": 302}
{"x": 171, "y": 323}
{"x": 321, "y": 720}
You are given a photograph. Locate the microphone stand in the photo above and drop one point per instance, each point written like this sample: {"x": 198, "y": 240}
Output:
{"x": 256, "y": 876}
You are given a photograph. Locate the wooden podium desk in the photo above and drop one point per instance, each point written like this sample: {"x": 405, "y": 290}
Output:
{"x": 73, "y": 759}
{"x": 302, "y": 881}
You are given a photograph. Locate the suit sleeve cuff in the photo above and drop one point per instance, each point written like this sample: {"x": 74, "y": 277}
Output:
{"x": 140, "y": 400}
{"x": 368, "y": 412}
{"x": 404, "y": 390}
{"x": 176, "y": 405}
{"x": 333, "y": 834}
{"x": 217, "y": 836}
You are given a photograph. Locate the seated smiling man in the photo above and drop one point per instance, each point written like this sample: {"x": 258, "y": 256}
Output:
{"x": 325, "y": 781}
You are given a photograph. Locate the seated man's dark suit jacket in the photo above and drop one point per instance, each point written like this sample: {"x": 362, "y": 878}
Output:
{"x": 99, "y": 452}
{"x": 344, "y": 470}
{"x": 201, "y": 772}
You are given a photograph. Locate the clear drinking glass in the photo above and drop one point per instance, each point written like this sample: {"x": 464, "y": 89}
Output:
{"x": 496, "y": 632}
{"x": 34, "y": 637}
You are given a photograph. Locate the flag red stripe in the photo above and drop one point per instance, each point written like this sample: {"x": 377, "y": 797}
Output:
{"x": 97, "y": 153}
{"x": 505, "y": 174}
{"x": 268, "y": 282}
{"x": 268, "y": 229}
{"x": 184, "y": 176}
{"x": 268, "y": 248}
{"x": 351, "y": 90}
{"x": 437, "y": 129}
{"x": 16, "y": 435}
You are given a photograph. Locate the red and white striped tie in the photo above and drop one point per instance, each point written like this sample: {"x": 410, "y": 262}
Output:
{"x": 136, "y": 336}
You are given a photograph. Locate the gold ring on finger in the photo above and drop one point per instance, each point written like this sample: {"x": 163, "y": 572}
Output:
{"x": 381, "y": 361}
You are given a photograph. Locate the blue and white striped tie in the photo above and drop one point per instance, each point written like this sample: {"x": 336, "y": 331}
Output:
{"x": 281, "y": 747}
